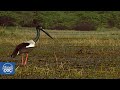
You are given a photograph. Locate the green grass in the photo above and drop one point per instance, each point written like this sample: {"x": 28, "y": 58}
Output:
{"x": 71, "y": 55}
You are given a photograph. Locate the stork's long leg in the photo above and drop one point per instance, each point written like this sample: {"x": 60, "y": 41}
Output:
{"x": 26, "y": 59}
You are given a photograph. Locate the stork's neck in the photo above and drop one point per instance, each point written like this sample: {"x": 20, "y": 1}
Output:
{"x": 37, "y": 36}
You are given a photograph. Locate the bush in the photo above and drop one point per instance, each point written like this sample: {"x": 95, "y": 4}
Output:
{"x": 7, "y": 21}
{"x": 85, "y": 26}
{"x": 32, "y": 23}
{"x": 59, "y": 27}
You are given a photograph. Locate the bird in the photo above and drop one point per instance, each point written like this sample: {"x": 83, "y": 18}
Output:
{"x": 25, "y": 47}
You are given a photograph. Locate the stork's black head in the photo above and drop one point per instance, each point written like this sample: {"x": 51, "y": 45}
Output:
{"x": 39, "y": 27}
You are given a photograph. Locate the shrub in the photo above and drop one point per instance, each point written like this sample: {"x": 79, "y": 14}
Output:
{"x": 32, "y": 23}
{"x": 58, "y": 27}
{"x": 85, "y": 26}
{"x": 7, "y": 21}
{"x": 27, "y": 24}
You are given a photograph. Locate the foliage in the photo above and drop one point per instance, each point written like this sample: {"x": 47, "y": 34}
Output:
{"x": 61, "y": 19}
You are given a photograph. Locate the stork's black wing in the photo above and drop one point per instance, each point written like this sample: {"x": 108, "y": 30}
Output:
{"x": 19, "y": 47}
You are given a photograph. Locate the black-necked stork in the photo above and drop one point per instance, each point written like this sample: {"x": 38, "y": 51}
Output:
{"x": 25, "y": 47}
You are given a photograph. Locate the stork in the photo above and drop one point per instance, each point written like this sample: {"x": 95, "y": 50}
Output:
{"x": 25, "y": 47}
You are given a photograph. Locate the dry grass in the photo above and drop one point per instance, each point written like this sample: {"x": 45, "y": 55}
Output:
{"x": 72, "y": 54}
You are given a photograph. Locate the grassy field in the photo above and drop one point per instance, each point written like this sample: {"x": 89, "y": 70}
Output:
{"x": 71, "y": 55}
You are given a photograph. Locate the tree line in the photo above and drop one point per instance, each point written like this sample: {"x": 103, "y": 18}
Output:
{"x": 62, "y": 20}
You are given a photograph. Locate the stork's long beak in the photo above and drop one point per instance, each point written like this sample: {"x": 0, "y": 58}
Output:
{"x": 47, "y": 33}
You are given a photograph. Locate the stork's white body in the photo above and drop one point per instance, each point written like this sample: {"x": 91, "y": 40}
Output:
{"x": 31, "y": 44}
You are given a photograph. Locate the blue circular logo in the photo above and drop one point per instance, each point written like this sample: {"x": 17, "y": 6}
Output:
{"x": 7, "y": 68}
